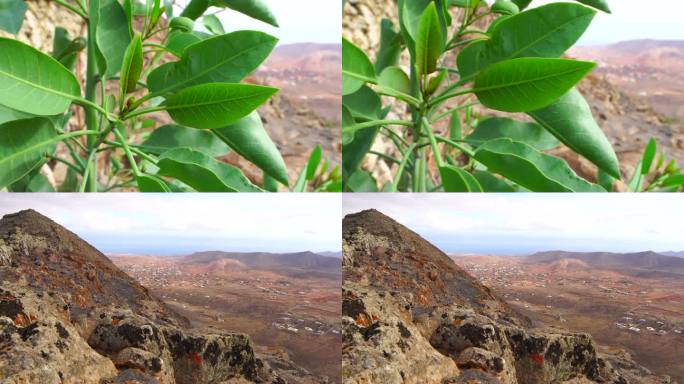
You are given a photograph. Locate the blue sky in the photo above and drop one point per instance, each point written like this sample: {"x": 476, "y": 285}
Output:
{"x": 174, "y": 224}
{"x": 300, "y": 21}
{"x": 513, "y": 224}
{"x": 634, "y": 19}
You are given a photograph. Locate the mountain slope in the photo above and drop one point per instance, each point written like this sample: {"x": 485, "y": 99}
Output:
{"x": 411, "y": 315}
{"x": 296, "y": 263}
{"x": 69, "y": 315}
{"x": 648, "y": 260}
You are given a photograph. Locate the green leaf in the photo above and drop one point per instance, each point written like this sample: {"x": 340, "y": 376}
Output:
{"x": 361, "y": 181}
{"x": 522, "y": 4}
{"x": 491, "y": 183}
{"x": 390, "y": 46}
{"x": 23, "y": 146}
{"x": 213, "y": 24}
{"x": 347, "y": 121}
{"x": 605, "y": 180}
{"x": 500, "y": 127}
{"x": 314, "y": 161}
{"x": 149, "y": 183}
{"x": 250, "y": 140}
{"x": 181, "y": 23}
{"x": 598, "y": 4}
{"x": 227, "y": 58}
{"x": 202, "y": 172}
{"x": 256, "y": 9}
{"x": 113, "y": 35}
{"x": 530, "y": 168}
{"x": 526, "y": 84}
{"x": 363, "y": 105}
{"x": 33, "y": 82}
{"x": 410, "y": 17}
{"x": 169, "y": 137}
{"x": 674, "y": 181}
{"x": 128, "y": 10}
{"x": 395, "y": 78}
{"x": 547, "y": 31}
{"x": 505, "y": 7}
{"x": 64, "y": 49}
{"x": 12, "y": 15}
{"x": 131, "y": 67}
{"x": 216, "y": 105}
{"x": 455, "y": 179}
{"x": 570, "y": 120}
{"x": 355, "y": 67}
{"x": 465, "y": 3}
{"x": 9, "y": 114}
{"x": 649, "y": 155}
{"x": 429, "y": 41}
{"x": 178, "y": 41}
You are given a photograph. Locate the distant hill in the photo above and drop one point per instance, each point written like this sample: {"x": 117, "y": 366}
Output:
{"x": 640, "y": 261}
{"x": 673, "y": 253}
{"x": 337, "y": 254}
{"x": 298, "y": 263}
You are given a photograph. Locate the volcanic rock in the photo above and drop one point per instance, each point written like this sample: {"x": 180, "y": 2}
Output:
{"x": 69, "y": 315}
{"x": 411, "y": 315}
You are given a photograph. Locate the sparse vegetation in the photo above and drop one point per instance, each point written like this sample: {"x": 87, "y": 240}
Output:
{"x": 511, "y": 64}
{"x": 141, "y": 59}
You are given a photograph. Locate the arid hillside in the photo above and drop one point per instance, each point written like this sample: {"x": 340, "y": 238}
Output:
{"x": 412, "y": 315}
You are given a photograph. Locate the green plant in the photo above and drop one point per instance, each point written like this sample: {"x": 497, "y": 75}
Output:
{"x": 140, "y": 60}
{"x": 513, "y": 65}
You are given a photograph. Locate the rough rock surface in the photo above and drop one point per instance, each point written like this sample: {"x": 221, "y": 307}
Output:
{"x": 411, "y": 315}
{"x": 68, "y": 315}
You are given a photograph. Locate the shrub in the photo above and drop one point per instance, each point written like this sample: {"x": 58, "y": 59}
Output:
{"x": 142, "y": 60}
{"x": 513, "y": 65}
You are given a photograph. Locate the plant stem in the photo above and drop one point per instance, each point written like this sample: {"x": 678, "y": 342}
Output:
{"x": 142, "y": 112}
{"x": 72, "y": 8}
{"x": 72, "y": 166}
{"x": 134, "y": 150}
{"x": 370, "y": 124}
{"x": 91, "y": 97}
{"x": 452, "y": 110}
{"x": 84, "y": 182}
{"x": 127, "y": 150}
{"x": 402, "y": 165}
{"x": 433, "y": 142}
{"x": 461, "y": 148}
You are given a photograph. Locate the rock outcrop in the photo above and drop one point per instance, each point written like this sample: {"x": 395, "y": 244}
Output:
{"x": 69, "y": 315}
{"x": 411, "y": 315}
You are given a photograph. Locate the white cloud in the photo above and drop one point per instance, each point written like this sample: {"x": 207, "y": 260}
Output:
{"x": 596, "y": 221}
{"x": 300, "y": 21}
{"x": 291, "y": 222}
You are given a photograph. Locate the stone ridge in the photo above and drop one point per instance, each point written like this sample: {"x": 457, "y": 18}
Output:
{"x": 69, "y": 315}
{"x": 412, "y": 316}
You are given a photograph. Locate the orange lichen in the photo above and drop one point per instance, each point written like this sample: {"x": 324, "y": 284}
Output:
{"x": 363, "y": 320}
{"x": 375, "y": 318}
{"x": 21, "y": 320}
{"x": 195, "y": 359}
{"x": 115, "y": 321}
{"x": 537, "y": 358}
{"x": 457, "y": 322}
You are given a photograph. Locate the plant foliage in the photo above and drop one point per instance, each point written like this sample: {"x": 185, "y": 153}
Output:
{"x": 142, "y": 60}
{"x": 509, "y": 59}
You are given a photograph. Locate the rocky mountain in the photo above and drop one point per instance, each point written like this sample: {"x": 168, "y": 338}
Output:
{"x": 69, "y": 315}
{"x": 297, "y": 262}
{"x": 411, "y": 315}
{"x": 673, "y": 253}
{"x": 647, "y": 260}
